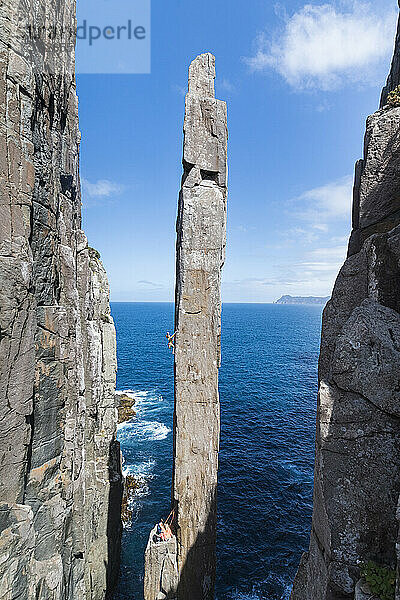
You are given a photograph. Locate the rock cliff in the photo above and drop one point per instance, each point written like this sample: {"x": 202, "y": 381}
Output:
{"x": 189, "y": 571}
{"x": 60, "y": 481}
{"x": 357, "y": 469}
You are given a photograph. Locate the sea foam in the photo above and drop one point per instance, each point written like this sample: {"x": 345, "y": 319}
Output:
{"x": 137, "y": 429}
{"x": 142, "y": 431}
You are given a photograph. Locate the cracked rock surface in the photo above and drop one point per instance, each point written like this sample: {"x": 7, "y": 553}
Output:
{"x": 201, "y": 240}
{"x": 357, "y": 469}
{"x": 60, "y": 481}
{"x": 200, "y": 254}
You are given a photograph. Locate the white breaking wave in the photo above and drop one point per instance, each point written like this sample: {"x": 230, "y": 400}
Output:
{"x": 243, "y": 596}
{"x": 257, "y": 596}
{"x": 142, "y": 470}
{"x": 145, "y": 401}
{"x": 138, "y": 395}
{"x": 143, "y": 473}
{"x": 134, "y": 432}
{"x": 154, "y": 430}
{"x": 136, "y": 428}
{"x": 140, "y": 431}
{"x": 130, "y": 393}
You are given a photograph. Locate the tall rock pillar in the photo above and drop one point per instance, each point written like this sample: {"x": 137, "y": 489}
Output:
{"x": 201, "y": 231}
{"x": 185, "y": 566}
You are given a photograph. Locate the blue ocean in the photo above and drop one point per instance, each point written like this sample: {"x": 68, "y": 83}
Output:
{"x": 268, "y": 386}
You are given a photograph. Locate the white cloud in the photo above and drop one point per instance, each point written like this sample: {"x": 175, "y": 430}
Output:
{"x": 328, "y": 202}
{"x": 298, "y": 279}
{"x": 324, "y": 260}
{"x": 306, "y": 258}
{"x": 103, "y": 188}
{"x": 150, "y": 284}
{"x": 182, "y": 91}
{"x": 333, "y": 253}
{"x": 296, "y": 235}
{"x": 340, "y": 239}
{"x": 320, "y": 267}
{"x": 226, "y": 86}
{"x": 323, "y": 107}
{"x": 323, "y": 46}
{"x": 320, "y": 227}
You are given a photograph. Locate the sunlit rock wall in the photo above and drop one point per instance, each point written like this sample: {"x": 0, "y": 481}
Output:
{"x": 201, "y": 229}
{"x": 357, "y": 471}
{"x": 184, "y": 567}
{"x": 60, "y": 482}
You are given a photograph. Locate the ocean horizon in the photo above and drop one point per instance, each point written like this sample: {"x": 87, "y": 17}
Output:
{"x": 268, "y": 389}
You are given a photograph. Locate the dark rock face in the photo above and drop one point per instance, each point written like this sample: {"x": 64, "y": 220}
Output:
{"x": 357, "y": 470}
{"x": 60, "y": 481}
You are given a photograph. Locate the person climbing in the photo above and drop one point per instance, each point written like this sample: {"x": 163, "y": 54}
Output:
{"x": 164, "y": 528}
{"x": 163, "y": 532}
{"x": 170, "y": 339}
{"x": 157, "y": 536}
{"x": 166, "y": 533}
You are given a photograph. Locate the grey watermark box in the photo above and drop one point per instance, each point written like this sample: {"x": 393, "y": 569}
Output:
{"x": 108, "y": 36}
{"x": 113, "y": 36}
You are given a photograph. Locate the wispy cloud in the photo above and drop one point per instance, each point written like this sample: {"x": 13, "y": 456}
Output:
{"x": 305, "y": 258}
{"x": 303, "y": 278}
{"x": 241, "y": 228}
{"x": 336, "y": 253}
{"x": 323, "y": 106}
{"x": 226, "y": 86}
{"x": 179, "y": 89}
{"x": 143, "y": 283}
{"x": 325, "y": 262}
{"x": 324, "y": 46}
{"x": 318, "y": 256}
{"x": 320, "y": 227}
{"x": 305, "y": 235}
{"x": 102, "y": 188}
{"x": 328, "y": 202}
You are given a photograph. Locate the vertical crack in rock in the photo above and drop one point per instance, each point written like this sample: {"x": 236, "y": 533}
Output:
{"x": 357, "y": 468}
{"x": 201, "y": 240}
{"x": 60, "y": 480}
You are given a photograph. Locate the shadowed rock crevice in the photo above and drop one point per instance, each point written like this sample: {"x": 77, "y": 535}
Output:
{"x": 191, "y": 582}
{"x": 114, "y": 523}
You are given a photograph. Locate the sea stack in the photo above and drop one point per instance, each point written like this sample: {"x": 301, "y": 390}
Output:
{"x": 201, "y": 230}
{"x": 357, "y": 468}
{"x": 200, "y": 253}
{"x": 60, "y": 482}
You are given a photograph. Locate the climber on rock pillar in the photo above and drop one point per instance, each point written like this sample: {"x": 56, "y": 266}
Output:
{"x": 201, "y": 239}
{"x": 183, "y": 567}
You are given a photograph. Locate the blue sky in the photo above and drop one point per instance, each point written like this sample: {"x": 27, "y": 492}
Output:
{"x": 299, "y": 80}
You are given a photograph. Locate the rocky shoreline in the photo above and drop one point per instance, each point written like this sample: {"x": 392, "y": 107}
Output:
{"x": 125, "y": 404}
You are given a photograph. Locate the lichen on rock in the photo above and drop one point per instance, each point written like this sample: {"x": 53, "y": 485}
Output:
{"x": 131, "y": 485}
{"x": 125, "y": 406}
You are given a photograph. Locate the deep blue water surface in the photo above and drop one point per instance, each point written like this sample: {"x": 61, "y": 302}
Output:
{"x": 268, "y": 383}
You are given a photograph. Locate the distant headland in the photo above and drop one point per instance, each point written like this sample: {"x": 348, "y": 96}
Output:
{"x": 302, "y": 300}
